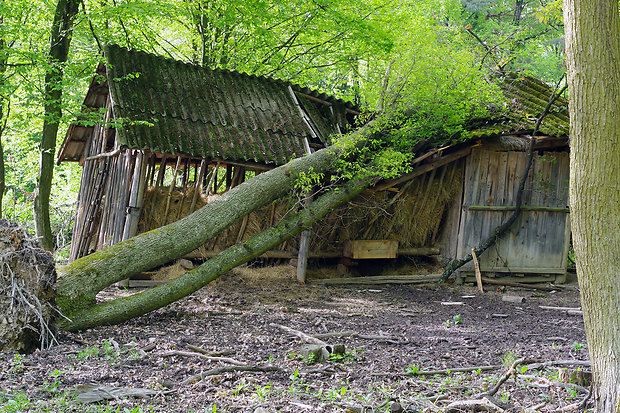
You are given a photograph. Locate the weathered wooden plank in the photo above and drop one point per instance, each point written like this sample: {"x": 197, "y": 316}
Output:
{"x": 504, "y": 208}
{"x": 394, "y": 279}
{"x": 370, "y": 249}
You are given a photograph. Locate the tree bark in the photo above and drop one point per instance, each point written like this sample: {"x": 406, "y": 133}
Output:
{"x": 80, "y": 281}
{"x": 593, "y": 60}
{"x": 3, "y": 62}
{"x": 129, "y": 307}
{"x": 60, "y": 39}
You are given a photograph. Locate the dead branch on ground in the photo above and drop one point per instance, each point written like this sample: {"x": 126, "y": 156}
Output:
{"x": 203, "y": 356}
{"x": 228, "y": 369}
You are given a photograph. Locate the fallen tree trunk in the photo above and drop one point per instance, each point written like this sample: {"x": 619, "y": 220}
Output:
{"x": 80, "y": 281}
{"x": 138, "y": 304}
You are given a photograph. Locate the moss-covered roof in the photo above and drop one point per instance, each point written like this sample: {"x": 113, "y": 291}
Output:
{"x": 173, "y": 107}
{"x": 526, "y": 99}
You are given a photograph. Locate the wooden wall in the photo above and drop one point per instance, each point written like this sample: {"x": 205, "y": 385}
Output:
{"x": 539, "y": 240}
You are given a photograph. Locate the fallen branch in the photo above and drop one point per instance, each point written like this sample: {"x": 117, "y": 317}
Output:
{"x": 445, "y": 371}
{"x": 486, "y": 280}
{"x": 203, "y": 356}
{"x": 303, "y": 336}
{"x": 210, "y": 353}
{"x": 555, "y": 363}
{"x": 227, "y": 369}
{"x": 538, "y": 381}
{"x": 506, "y": 376}
{"x": 575, "y": 406}
{"x": 473, "y": 405}
{"x": 568, "y": 310}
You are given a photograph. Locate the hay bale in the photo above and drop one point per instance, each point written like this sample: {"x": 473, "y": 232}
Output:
{"x": 173, "y": 271}
{"x": 27, "y": 277}
{"x": 411, "y": 220}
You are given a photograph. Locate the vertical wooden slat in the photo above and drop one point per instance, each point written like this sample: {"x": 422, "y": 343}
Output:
{"x": 198, "y": 185}
{"x": 136, "y": 194}
{"x": 172, "y": 186}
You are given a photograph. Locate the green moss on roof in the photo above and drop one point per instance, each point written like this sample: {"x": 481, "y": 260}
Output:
{"x": 206, "y": 113}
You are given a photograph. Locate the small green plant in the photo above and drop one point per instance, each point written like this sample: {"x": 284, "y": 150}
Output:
{"x": 505, "y": 397}
{"x": 17, "y": 364}
{"x": 347, "y": 356}
{"x": 412, "y": 369}
{"x": 53, "y": 386}
{"x": 457, "y": 319}
{"x": 240, "y": 388}
{"x": 447, "y": 323}
{"x": 311, "y": 359}
{"x": 262, "y": 392}
{"x": 18, "y": 403}
{"x": 508, "y": 359}
{"x": 88, "y": 352}
{"x": 578, "y": 346}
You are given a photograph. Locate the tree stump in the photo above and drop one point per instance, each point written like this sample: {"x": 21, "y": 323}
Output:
{"x": 27, "y": 277}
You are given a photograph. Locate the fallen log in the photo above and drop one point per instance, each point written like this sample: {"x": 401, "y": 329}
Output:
{"x": 125, "y": 308}
{"x": 381, "y": 279}
{"x": 228, "y": 369}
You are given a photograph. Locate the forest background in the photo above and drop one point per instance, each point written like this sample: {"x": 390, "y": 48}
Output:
{"x": 437, "y": 56}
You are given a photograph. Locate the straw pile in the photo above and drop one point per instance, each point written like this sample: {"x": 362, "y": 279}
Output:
{"x": 411, "y": 215}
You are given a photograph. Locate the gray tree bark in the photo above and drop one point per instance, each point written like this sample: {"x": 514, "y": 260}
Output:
{"x": 126, "y": 308}
{"x": 62, "y": 30}
{"x": 80, "y": 281}
{"x": 593, "y": 58}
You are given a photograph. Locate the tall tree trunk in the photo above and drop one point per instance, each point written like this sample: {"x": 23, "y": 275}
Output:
{"x": 60, "y": 39}
{"x": 80, "y": 281}
{"x": 3, "y": 62}
{"x": 126, "y": 308}
{"x": 593, "y": 57}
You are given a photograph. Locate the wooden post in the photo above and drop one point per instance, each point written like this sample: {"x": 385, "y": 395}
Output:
{"x": 477, "y": 270}
{"x": 136, "y": 196}
{"x": 198, "y": 185}
{"x": 172, "y": 185}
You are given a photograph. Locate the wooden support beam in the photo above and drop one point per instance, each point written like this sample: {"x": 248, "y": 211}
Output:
{"x": 503, "y": 208}
{"x": 424, "y": 168}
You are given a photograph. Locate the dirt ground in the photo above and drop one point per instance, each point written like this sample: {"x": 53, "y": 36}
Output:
{"x": 399, "y": 330}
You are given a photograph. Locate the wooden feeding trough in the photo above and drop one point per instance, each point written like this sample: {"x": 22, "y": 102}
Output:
{"x": 370, "y": 249}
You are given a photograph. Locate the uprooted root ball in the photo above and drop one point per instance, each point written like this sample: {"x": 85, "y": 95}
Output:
{"x": 27, "y": 277}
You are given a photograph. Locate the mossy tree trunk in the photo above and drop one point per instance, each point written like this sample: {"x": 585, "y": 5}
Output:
{"x": 593, "y": 57}
{"x": 80, "y": 281}
{"x": 60, "y": 39}
{"x": 129, "y": 307}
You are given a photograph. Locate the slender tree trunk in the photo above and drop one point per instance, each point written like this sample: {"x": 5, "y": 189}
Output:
{"x": 60, "y": 39}
{"x": 3, "y": 62}
{"x": 80, "y": 281}
{"x": 126, "y": 308}
{"x": 593, "y": 57}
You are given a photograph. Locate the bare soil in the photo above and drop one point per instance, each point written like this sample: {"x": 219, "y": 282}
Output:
{"x": 239, "y": 314}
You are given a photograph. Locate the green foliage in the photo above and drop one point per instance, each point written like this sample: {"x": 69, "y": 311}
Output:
{"x": 412, "y": 65}
{"x": 518, "y": 35}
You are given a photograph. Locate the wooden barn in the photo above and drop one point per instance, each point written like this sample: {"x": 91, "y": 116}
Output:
{"x": 173, "y": 136}
{"x": 159, "y": 137}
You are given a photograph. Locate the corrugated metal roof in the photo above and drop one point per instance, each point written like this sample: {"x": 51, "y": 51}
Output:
{"x": 174, "y": 107}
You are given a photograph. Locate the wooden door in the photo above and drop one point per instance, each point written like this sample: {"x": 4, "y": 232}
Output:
{"x": 539, "y": 239}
